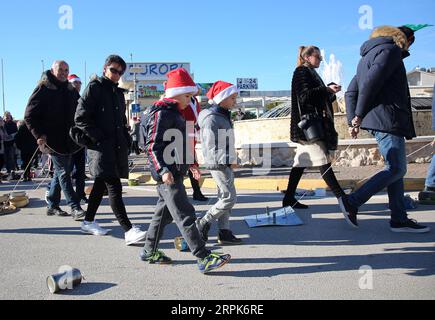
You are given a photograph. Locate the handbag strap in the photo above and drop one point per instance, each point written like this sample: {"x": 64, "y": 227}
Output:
{"x": 299, "y": 107}
{"x": 300, "y": 110}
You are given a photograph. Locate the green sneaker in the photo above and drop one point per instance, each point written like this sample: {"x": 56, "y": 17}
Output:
{"x": 212, "y": 262}
{"x": 157, "y": 257}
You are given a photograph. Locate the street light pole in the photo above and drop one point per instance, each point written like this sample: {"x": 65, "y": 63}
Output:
{"x": 135, "y": 71}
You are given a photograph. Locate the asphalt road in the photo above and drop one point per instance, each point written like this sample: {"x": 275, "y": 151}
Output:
{"x": 323, "y": 259}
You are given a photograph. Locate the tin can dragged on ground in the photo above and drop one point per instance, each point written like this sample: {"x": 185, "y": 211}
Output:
{"x": 66, "y": 280}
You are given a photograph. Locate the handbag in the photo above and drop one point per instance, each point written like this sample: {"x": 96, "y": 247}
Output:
{"x": 312, "y": 125}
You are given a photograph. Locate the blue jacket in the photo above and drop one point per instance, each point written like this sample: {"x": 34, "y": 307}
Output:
{"x": 379, "y": 93}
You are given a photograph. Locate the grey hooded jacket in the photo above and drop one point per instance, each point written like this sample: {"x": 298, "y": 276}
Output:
{"x": 217, "y": 138}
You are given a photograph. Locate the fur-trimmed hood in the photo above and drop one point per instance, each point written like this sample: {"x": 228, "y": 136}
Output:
{"x": 49, "y": 81}
{"x": 386, "y": 37}
{"x": 398, "y": 36}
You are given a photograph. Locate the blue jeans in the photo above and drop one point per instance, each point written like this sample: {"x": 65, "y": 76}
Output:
{"x": 62, "y": 181}
{"x": 393, "y": 150}
{"x": 430, "y": 179}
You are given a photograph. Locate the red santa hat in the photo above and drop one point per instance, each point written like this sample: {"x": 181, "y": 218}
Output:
{"x": 179, "y": 82}
{"x": 220, "y": 91}
{"x": 73, "y": 78}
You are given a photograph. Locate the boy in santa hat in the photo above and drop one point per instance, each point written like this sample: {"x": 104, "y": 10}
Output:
{"x": 217, "y": 138}
{"x": 169, "y": 165}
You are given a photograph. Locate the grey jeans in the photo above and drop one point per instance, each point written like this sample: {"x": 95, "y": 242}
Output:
{"x": 174, "y": 205}
{"x": 227, "y": 198}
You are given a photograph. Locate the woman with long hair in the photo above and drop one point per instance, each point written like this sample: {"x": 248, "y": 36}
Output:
{"x": 312, "y": 99}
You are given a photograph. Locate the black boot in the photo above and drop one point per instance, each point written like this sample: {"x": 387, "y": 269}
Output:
{"x": 197, "y": 194}
{"x": 293, "y": 181}
{"x": 199, "y": 197}
{"x": 227, "y": 237}
{"x": 290, "y": 201}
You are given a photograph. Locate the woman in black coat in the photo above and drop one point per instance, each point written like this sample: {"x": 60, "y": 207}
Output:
{"x": 101, "y": 116}
{"x": 310, "y": 96}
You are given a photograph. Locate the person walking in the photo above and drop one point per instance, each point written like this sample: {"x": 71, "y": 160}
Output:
{"x": 2, "y": 151}
{"x": 11, "y": 130}
{"x": 173, "y": 203}
{"x": 101, "y": 117}
{"x": 312, "y": 101}
{"x": 79, "y": 158}
{"x": 191, "y": 115}
{"x": 49, "y": 116}
{"x": 428, "y": 194}
{"x": 378, "y": 100}
{"x": 27, "y": 145}
{"x": 134, "y": 133}
{"x": 220, "y": 157}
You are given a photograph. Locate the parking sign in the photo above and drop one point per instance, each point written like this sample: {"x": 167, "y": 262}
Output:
{"x": 247, "y": 83}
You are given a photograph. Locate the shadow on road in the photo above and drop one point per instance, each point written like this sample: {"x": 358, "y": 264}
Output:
{"x": 87, "y": 289}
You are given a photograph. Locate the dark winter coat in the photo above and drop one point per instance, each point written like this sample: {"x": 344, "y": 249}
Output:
{"x": 313, "y": 97}
{"x": 25, "y": 141}
{"x": 379, "y": 92}
{"x": 11, "y": 129}
{"x": 101, "y": 116}
{"x": 162, "y": 116}
{"x": 50, "y": 112}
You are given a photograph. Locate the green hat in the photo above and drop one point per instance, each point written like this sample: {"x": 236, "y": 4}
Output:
{"x": 417, "y": 27}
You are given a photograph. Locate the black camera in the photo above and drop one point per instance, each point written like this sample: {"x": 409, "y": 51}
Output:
{"x": 312, "y": 126}
{"x": 306, "y": 121}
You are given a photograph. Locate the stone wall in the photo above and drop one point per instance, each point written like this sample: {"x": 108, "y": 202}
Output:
{"x": 278, "y": 130}
{"x": 251, "y": 135}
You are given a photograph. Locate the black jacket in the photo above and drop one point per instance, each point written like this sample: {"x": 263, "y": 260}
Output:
{"x": 25, "y": 141}
{"x": 101, "y": 116}
{"x": 50, "y": 112}
{"x": 11, "y": 129}
{"x": 309, "y": 90}
{"x": 162, "y": 116}
{"x": 379, "y": 92}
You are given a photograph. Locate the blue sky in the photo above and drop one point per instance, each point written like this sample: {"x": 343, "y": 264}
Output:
{"x": 222, "y": 40}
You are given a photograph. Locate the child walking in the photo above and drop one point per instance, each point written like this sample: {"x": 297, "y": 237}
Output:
{"x": 217, "y": 136}
{"x": 173, "y": 204}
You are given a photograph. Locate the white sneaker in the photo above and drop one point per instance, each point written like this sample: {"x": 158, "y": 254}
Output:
{"x": 93, "y": 228}
{"x": 134, "y": 235}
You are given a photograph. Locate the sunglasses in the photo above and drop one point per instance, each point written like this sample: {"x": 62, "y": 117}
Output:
{"x": 116, "y": 71}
